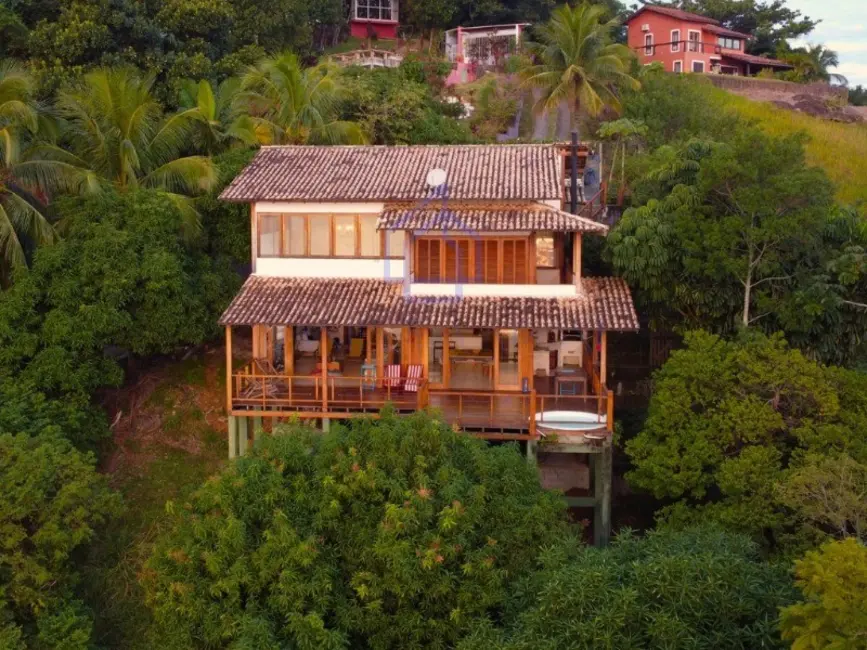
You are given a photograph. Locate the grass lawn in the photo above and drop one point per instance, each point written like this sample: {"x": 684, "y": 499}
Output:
{"x": 170, "y": 438}
{"x": 840, "y": 149}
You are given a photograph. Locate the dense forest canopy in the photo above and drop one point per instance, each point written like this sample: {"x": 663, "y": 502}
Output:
{"x": 121, "y": 121}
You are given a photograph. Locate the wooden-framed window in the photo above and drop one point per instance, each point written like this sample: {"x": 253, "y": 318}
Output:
{"x": 466, "y": 260}
{"x": 729, "y": 43}
{"x": 698, "y": 66}
{"x": 546, "y": 251}
{"x": 648, "y": 44}
{"x": 374, "y": 10}
{"x": 675, "y": 40}
{"x": 325, "y": 235}
{"x": 269, "y": 235}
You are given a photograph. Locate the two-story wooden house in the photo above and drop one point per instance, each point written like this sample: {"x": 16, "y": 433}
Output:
{"x": 686, "y": 42}
{"x": 442, "y": 277}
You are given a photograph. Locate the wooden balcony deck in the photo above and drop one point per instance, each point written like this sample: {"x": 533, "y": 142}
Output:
{"x": 492, "y": 414}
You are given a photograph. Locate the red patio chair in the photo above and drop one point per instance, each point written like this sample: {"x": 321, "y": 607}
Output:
{"x": 413, "y": 378}
{"x": 392, "y": 376}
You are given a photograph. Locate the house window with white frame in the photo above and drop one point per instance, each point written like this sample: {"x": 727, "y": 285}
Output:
{"x": 648, "y": 44}
{"x": 675, "y": 40}
{"x": 694, "y": 38}
{"x": 698, "y": 66}
{"x": 374, "y": 10}
{"x": 678, "y": 66}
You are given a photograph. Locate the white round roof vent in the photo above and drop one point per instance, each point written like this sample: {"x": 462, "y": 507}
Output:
{"x": 436, "y": 177}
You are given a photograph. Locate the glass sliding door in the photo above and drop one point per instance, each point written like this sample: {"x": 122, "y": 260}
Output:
{"x": 506, "y": 365}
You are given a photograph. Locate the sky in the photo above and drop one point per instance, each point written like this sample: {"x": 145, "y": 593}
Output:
{"x": 843, "y": 29}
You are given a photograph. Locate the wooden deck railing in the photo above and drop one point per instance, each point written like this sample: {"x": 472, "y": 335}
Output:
{"x": 505, "y": 414}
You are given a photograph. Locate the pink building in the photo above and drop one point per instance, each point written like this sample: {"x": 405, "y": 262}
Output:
{"x": 473, "y": 49}
{"x": 379, "y": 17}
{"x": 685, "y": 42}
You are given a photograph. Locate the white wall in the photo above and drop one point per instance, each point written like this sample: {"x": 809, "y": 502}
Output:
{"x": 307, "y": 267}
{"x": 495, "y": 290}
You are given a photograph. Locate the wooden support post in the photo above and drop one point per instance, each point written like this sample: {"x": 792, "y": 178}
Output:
{"x": 289, "y": 350}
{"x": 602, "y": 467}
{"x": 609, "y": 417}
{"x": 532, "y": 456}
{"x": 243, "y": 429}
{"x": 323, "y": 349}
{"x": 257, "y": 428}
{"x": 229, "y": 369}
{"x": 603, "y": 360}
{"x": 233, "y": 436}
{"x": 576, "y": 260}
{"x": 380, "y": 355}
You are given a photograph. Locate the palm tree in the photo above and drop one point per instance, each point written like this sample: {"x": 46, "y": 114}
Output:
{"x": 217, "y": 122}
{"x": 21, "y": 211}
{"x": 116, "y": 134}
{"x": 576, "y": 60}
{"x": 291, "y": 105}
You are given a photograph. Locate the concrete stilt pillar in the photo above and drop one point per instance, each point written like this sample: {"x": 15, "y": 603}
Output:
{"x": 243, "y": 429}
{"x": 233, "y": 436}
{"x": 326, "y": 425}
{"x": 602, "y": 470}
{"x": 532, "y": 452}
{"x": 257, "y": 428}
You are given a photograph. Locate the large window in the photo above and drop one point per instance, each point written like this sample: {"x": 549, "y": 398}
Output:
{"x": 546, "y": 252}
{"x": 326, "y": 235}
{"x": 698, "y": 66}
{"x": 675, "y": 40}
{"x": 730, "y": 43}
{"x": 373, "y": 10}
{"x": 486, "y": 260}
{"x": 694, "y": 41}
{"x": 648, "y": 44}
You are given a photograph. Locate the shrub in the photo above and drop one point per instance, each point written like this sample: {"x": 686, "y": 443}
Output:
{"x": 380, "y": 534}
{"x": 700, "y": 589}
{"x": 53, "y": 501}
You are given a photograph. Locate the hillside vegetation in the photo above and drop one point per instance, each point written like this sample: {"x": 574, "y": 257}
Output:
{"x": 840, "y": 149}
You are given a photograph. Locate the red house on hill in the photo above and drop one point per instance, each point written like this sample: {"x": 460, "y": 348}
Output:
{"x": 377, "y": 17}
{"x": 687, "y": 42}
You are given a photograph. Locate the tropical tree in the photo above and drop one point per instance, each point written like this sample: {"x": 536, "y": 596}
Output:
{"x": 700, "y": 588}
{"x": 812, "y": 63}
{"x": 389, "y": 533}
{"x": 738, "y": 433}
{"x": 576, "y": 61}
{"x": 116, "y": 134}
{"x": 22, "y": 219}
{"x": 833, "y": 614}
{"x": 218, "y": 123}
{"x": 621, "y": 132}
{"x": 292, "y": 105}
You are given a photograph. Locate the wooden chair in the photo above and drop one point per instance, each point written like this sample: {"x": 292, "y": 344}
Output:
{"x": 392, "y": 376}
{"x": 413, "y": 378}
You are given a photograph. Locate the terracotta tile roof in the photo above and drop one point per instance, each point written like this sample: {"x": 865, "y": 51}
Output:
{"x": 755, "y": 60}
{"x": 725, "y": 31}
{"x": 675, "y": 13}
{"x": 529, "y": 172}
{"x": 605, "y": 305}
{"x": 469, "y": 218}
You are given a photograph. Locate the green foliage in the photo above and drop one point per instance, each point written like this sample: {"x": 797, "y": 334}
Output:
{"x": 23, "y": 223}
{"x": 289, "y": 104}
{"x": 120, "y": 277}
{"x": 394, "y": 107}
{"x": 699, "y": 588}
{"x": 390, "y": 533}
{"x": 744, "y": 233}
{"x": 227, "y": 225}
{"x": 730, "y": 421}
{"x": 495, "y": 101}
{"x": 53, "y": 502}
{"x": 578, "y": 63}
{"x": 771, "y": 22}
{"x": 833, "y": 615}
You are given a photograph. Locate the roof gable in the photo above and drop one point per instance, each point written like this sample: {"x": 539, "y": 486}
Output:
{"x": 671, "y": 12}
{"x": 383, "y": 173}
